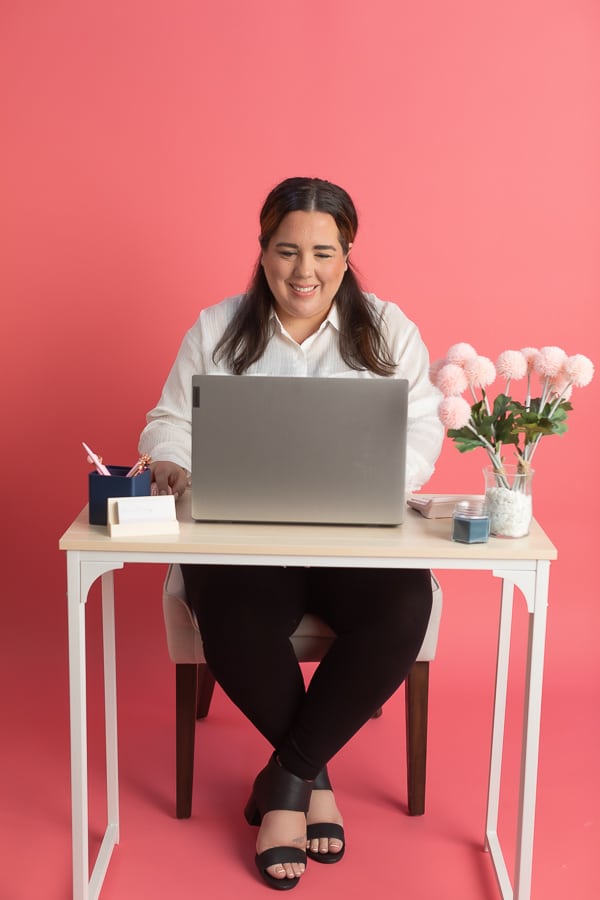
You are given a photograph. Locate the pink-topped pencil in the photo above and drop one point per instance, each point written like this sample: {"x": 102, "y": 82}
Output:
{"x": 95, "y": 460}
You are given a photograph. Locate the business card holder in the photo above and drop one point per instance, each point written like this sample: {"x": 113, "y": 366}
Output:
{"x": 138, "y": 516}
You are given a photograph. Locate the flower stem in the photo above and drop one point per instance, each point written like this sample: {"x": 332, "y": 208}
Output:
{"x": 556, "y": 403}
{"x": 495, "y": 459}
{"x": 545, "y": 392}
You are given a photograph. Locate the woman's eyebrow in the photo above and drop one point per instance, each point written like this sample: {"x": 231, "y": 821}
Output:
{"x": 315, "y": 247}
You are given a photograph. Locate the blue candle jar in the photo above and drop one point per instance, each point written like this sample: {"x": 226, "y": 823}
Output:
{"x": 470, "y": 522}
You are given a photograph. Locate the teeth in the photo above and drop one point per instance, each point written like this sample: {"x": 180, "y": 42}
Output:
{"x": 303, "y": 290}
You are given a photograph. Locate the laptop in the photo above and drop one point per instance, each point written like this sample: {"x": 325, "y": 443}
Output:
{"x": 298, "y": 449}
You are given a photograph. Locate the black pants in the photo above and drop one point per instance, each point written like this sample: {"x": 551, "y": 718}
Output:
{"x": 246, "y": 615}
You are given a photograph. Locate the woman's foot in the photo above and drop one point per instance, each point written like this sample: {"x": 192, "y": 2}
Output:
{"x": 278, "y": 803}
{"x": 282, "y": 828}
{"x": 326, "y": 837}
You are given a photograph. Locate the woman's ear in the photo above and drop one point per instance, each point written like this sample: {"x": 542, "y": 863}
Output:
{"x": 347, "y": 255}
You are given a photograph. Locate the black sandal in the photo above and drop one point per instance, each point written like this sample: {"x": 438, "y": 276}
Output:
{"x": 325, "y": 829}
{"x": 276, "y": 788}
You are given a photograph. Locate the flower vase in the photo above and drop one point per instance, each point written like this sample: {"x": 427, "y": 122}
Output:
{"x": 509, "y": 500}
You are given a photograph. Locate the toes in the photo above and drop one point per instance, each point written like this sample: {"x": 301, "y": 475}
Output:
{"x": 277, "y": 871}
{"x": 286, "y": 870}
{"x": 325, "y": 845}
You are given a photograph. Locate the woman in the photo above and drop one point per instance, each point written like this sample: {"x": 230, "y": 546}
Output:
{"x": 304, "y": 314}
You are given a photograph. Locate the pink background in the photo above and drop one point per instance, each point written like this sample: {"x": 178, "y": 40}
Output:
{"x": 138, "y": 142}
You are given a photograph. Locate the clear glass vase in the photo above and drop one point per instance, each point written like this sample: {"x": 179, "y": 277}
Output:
{"x": 509, "y": 501}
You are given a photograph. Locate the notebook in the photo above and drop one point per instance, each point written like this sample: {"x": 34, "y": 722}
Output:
{"x": 299, "y": 449}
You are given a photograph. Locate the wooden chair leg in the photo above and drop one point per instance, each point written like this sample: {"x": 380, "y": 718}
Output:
{"x": 186, "y": 688}
{"x": 206, "y": 684}
{"x": 417, "y": 695}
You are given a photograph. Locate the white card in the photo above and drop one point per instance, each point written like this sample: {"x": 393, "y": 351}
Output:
{"x": 131, "y": 510}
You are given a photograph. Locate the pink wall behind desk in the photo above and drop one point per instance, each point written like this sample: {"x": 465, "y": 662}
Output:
{"x": 139, "y": 140}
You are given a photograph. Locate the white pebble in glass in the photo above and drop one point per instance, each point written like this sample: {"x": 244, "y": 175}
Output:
{"x": 509, "y": 501}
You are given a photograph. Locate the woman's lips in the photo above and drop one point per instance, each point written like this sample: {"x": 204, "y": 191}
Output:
{"x": 303, "y": 290}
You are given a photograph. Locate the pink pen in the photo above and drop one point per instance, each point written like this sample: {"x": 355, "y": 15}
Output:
{"x": 100, "y": 467}
{"x": 142, "y": 463}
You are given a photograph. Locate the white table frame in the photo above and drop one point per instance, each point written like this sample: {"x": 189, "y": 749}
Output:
{"x": 419, "y": 543}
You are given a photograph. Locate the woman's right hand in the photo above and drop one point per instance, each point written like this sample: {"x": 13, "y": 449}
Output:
{"x": 168, "y": 478}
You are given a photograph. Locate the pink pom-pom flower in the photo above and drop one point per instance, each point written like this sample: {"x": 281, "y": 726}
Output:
{"x": 451, "y": 380}
{"x": 454, "y": 412}
{"x": 549, "y": 362}
{"x": 512, "y": 365}
{"x": 480, "y": 371}
{"x": 434, "y": 368}
{"x": 460, "y": 353}
{"x": 464, "y": 370}
{"x": 530, "y": 354}
{"x": 578, "y": 370}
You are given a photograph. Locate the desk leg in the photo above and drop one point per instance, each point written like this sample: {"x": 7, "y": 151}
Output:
{"x": 111, "y": 836}
{"x": 80, "y": 576}
{"x": 499, "y": 709}
{"x": 492, "y": 843}
{"x": 534, "y": 586}
{"x": 77, "y": 692}
{"x": 110, "y": 701}
{"x": 538, "y": 606}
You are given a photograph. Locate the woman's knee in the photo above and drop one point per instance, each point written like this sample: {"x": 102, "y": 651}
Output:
{"x": 384, "y": 600}
{"x": 242, "y": 603}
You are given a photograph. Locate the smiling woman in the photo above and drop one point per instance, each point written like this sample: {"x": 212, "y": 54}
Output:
{"x": 307, "y": 227}
{"x": 303, "y": 315}
{"x": 304, "y": 264}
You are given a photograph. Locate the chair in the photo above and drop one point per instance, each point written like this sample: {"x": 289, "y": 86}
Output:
{"x": 194, "y": 685}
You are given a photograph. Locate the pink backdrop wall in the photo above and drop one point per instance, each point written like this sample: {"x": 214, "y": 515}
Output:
{"x": 139, "y": 139}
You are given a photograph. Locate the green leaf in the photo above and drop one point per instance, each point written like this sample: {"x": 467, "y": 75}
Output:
{"x": 464, "y": 439}
{"x": 510, "y": 422}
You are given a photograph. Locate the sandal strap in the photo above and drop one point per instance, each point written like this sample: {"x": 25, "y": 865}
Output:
{"x": 276, "y": 788}
{"x": 280, "y": 855}
{"x": 322, "y": 782}
{"x": 329, "y": 830}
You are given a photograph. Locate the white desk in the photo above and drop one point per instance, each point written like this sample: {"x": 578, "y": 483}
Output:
{"x": 419, "y": 542}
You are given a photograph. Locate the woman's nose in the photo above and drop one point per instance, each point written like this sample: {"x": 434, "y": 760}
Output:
{"x": 303, "y": 265}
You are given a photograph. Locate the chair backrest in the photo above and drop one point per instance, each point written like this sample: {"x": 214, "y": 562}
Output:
{"x": 311, "y": 640}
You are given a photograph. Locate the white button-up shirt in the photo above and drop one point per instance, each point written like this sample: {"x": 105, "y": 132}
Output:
{"x": 167, "y": 435}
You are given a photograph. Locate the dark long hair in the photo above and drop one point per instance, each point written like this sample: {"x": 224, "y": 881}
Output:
{"x": 362, "y": 345}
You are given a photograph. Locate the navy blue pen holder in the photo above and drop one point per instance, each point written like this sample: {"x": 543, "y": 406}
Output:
{"x": 101, "y": 487}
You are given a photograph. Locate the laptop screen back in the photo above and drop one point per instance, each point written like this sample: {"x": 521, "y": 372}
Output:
{"x": 299, "y": 449}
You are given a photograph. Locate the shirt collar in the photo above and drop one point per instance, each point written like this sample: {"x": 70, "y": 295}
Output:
{"x": 334, "y": 316}
{"x": 333, "y": 319}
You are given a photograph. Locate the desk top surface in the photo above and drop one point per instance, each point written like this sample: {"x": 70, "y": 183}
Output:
{"x": 416, "y": 538}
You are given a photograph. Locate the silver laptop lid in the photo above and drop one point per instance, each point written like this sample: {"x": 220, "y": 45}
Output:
{"x": 298, "y": 449}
